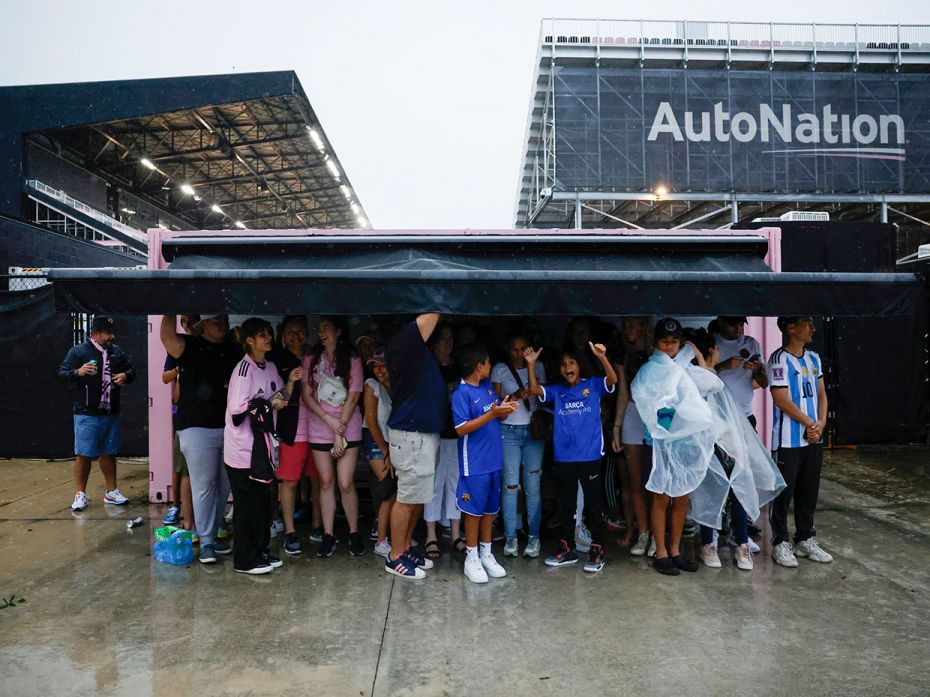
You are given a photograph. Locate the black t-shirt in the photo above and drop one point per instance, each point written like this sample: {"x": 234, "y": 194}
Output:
{"x": 286, "y": 423}
{"x": 420, "y": 399}
{"x": 205, "y": 372}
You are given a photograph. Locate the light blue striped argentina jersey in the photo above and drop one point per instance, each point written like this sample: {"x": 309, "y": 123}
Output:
{"x": 801, "y": 376}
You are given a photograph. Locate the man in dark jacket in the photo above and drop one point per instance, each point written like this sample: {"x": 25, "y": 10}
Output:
{"x": 96, "y": 372}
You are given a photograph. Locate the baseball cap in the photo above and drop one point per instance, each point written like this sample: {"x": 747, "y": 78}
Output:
{"x": 732, "y": 319}
{"x": 204, "y": 318}
{"x": 668, "y": 327}
{"x": 103, "y": 323}
{"x": 378, "y": 358}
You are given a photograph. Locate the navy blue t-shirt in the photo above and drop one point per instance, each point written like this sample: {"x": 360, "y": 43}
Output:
{"x": 419, "y": 396}
{"x": 577, "y": 435}
{"x": 482, "y": 450}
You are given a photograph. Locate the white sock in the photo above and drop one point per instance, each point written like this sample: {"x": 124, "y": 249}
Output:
{"x": 485, "y": 548}
{"x": 472, "y": 552}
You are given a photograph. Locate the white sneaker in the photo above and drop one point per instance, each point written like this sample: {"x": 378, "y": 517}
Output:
{"x": 783, "y": 556}
{"x": 743, "y": 558}
{"x": 490, "y": 565}
{"x": 474, "y": 570}
{"x": 582, "y": 539}
{"x": 813, "y": 551}
{"x": 511, "y": 548}
{"x": 753, "y": 547}
{"x": 115, "y": 497}
{"x": 642, "y": 544}
{"x": 229, "y": 516}
{"x": 652, "y": 548}
{"x": 383, "y": 548}
{"x": 80, "y": 501}
{"x": 531, "y": 550}
{"x": 709, "y": 556}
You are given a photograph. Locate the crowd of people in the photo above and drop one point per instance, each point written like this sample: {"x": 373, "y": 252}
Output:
{"x": 637, "y": 430}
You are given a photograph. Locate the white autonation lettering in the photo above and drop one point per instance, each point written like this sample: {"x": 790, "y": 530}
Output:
{"x": 806, "y": 128}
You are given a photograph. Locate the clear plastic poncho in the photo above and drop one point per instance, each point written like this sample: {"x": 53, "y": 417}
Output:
{"x": 754, "y": 477}
{"x": 680, "y": 422}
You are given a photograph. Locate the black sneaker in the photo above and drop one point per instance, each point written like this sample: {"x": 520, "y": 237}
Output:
{"x": 271, "y": 561}
{"x": 595, "y": 559}
{"x": 292, "y": 544}
{"x": 259, "y": 567}
{"x": 373, "y": 535}
{"x": 325, "y": 550}
{"x": 665, "y": 565}
{"x": 356, "y": 544}
{"x": 316, "y": 535}
{"x": 566, "y": 555}
{"x": 684, "y": 564}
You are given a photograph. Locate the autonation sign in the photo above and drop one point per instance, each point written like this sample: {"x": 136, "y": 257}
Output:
{"x": 861, "y": 131}
{"x": 742, "y": 130}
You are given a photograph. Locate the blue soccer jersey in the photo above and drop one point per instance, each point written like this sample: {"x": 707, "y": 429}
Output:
{"x": 577, "y": 434}
{"x": 481, "y": 451}
{"x": 801, "y": 376}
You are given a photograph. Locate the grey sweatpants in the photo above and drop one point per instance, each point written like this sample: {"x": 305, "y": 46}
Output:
{"x": 203, "y": 450}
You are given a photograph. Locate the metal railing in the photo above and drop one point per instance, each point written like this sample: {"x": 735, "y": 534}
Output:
{"x": 89, "y": 211}
{"x": 736, "y": 35}
{"x": 25, "y": 279}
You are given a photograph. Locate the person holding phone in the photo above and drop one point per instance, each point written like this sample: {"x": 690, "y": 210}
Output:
{"x": 96, "y": 372}
{"x": 740, "y": 366}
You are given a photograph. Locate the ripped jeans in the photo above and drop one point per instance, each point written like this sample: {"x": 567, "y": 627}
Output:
{"x": 521, "y": 448}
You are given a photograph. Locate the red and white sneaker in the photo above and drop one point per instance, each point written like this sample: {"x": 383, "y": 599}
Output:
{"x": 115, "y": 497}
{"x": 80, "y": 501}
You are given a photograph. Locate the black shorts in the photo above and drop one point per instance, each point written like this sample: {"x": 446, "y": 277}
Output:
{"x": 326, "y": 447}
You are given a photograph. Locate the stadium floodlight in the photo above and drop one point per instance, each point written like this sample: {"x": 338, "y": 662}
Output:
{"x": 660, "y": 191}
{"x": 146, "y": 162}
{"x": 315, "y": 137}
{"x": 333, "y": 168}
{"x": 240, "y": 225}
{"x": 187, "y": 189}
{"x": 345, "y": 191}
{"x": 216, "y": 209}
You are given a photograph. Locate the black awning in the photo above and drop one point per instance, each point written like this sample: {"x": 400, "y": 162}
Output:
{"x": 479, "y": 275}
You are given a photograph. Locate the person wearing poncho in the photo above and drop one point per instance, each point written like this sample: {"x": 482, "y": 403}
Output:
{"x": 683, "y": 431}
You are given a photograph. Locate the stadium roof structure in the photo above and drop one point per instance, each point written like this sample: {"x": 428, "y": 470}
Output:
{"x": 216, "y": 152}
{"x": 548, "y": 198}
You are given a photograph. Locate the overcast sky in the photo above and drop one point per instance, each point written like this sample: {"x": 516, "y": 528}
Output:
{"x": 424, "y": 102}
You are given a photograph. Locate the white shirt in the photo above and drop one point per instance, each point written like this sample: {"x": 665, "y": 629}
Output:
{"x": 500, "y": 373}
{"x": 739, "y": 380}
{"x": 384, "y": 407}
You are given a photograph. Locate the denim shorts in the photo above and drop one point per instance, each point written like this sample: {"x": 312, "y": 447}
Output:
{"x": 96, "y": 435}
{"x": 370, "y": 448}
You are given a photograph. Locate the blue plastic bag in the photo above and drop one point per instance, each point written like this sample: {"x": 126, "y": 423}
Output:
{"x": 177, "y": 550}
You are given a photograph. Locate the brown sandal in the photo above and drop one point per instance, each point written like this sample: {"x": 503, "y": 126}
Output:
{"x": 432, "y": 549}
{"x": 459, "y": 545}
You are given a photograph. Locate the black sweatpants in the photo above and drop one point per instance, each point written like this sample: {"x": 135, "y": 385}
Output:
{"x": 251, "y": 517}
{"x": 801, "y": 469}
{"x": 568, "y": 476}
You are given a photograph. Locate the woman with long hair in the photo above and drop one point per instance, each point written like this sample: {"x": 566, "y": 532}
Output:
{"x": 628, "y": 434}
{"x": 331, "y": 392}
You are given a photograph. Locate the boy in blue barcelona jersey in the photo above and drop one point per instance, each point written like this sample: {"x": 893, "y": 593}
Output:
{"x": 578, "y": 441}
{"x": 800, "y": 416}
{"x": 476, "y": 415}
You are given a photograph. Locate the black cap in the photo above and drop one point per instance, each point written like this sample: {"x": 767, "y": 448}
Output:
{"x": 668, "y": 327}
{"x": 784, "y": 321}
{"x": 733, "y": 319}
{"x": 103, "y": 323}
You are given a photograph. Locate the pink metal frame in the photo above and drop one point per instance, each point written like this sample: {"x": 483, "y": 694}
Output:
{"x": 160, "y": 436}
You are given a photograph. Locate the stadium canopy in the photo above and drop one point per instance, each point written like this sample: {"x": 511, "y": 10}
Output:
{"x": 213, "y": 152}
{"x": 480, "y": 273}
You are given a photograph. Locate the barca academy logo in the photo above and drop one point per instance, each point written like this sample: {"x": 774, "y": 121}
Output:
{"x": 585, "y": 392}
{"x": 466, "y": 497}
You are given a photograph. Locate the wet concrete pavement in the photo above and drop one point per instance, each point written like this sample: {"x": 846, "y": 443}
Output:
{"x": 101, "y": 616}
